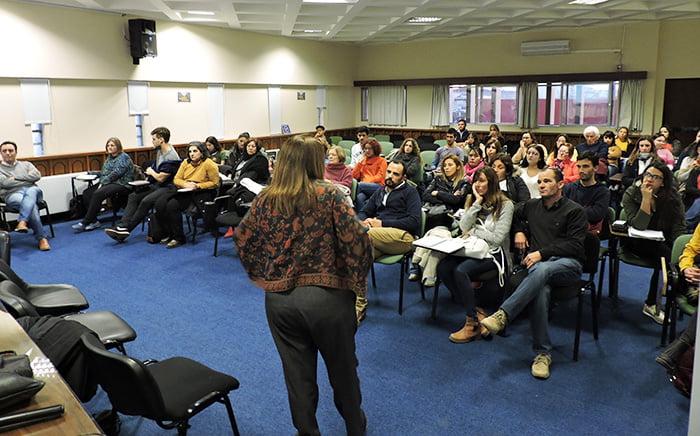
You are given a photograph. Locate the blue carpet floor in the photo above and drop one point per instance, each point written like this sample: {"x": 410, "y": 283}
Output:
{"x": 414, "y": 381}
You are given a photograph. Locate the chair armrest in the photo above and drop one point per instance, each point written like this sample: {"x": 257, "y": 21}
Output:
{"x": 150, "y": 361}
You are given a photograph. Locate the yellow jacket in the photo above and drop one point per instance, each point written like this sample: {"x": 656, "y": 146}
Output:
{"x": 687, "y": 258}
{"x": 205, "y": 175}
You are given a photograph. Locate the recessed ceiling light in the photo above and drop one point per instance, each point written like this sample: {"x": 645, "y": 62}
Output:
{"x": 200, "y": 12}
{"x": 587, "y": 2}
{"x": 424, "y": 20}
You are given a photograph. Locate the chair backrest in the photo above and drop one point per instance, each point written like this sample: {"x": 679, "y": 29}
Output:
{"x": 591, "y": 247}
{"x": 382, "y": 138}
{"x": 131, "y": 388}
{"x": 440, "y": 142}
{"x": 15, "y": 300}
{"x": 678, "y": 247}
{"x": 346, "y": 145}
{"x": 353, "y": 194}
{"x": 336, "y": 139}
{"x": 6, "y": 273}
{"x": 428, "y": 156}
{"x": 387, "y": 147}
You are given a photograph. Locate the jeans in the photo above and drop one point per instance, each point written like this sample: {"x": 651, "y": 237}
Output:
{"x": 364, "y": 192}
{"x": 457, "y": 272}
{"x": 25, "y": 200}
{"x": 304, "y": 322}
{"x": 535, "y": 289}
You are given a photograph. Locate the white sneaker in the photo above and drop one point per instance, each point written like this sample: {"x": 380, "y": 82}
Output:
{"x": 650, "y": 311}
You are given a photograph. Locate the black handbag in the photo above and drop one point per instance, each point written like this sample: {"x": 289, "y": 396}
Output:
{"x": 17, "y": 389}
{"x": 10, "y": 362}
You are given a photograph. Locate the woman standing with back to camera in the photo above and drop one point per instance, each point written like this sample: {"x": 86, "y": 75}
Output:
{"x": 303, "y": 245}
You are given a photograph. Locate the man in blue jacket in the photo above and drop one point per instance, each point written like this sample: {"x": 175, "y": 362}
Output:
{"x": 393, "y": 215}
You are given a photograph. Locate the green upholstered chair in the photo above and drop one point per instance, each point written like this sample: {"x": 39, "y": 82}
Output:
{"x": 335, "y": 140}
{"x": 676, "y": 302}
{"x": 403, "y": 260}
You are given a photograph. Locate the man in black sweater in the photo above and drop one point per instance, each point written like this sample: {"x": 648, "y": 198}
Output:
{"x": 586, "y": 191}
{"x": 551, "y": 230}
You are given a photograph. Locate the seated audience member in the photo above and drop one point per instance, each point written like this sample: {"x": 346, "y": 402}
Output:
{"x": 198, "y": 175}
{"x": 321, "y": 134}
{"x": 565, "y": 164}
{"x": 337, "y": 172}
{"x": 216, "y": 152}
{"x": 18, "y": 188}
{"x": 641, "y": 157}
{"x": 689, "y": 161}
{"x": 688, "y": 265}
{"x": 461, "y": 133}
{"x": 588, "y": 192}
{"x": 253, "y": 166}
{"x": 114, "y": 177}
{"x": 488, "y": 216}
{"x": 510, "y": 182}
{"x": 593, "y": 143}
{"x": 475, "y": 160}
{"x": 369, "y": 172}
{"x": 446, "y": 193}
{"x": 526, "y": 141}
{"x": 393, "y": 215}
{"x": 622, "y": 140}
{"x": 673, "y": 144}
{"x": 664, "y": 153}
{"x": 692, "y": 199}
{"x": 160, "y": 177}
{"x": 495, "y": 133}
{"x": 473, "y": 142}
{"x": 238, "y": 149}
{"x": 551, "y": 230}
{"x": 530, "y": 168}
{"x": 357, "y": 152}
{"x": 445, "y": 150}
{"x": 491, "y": 149}
{"x": 654, "y": 205}
{"x": 409, "y": 154}
{"x": 614, "y": 153}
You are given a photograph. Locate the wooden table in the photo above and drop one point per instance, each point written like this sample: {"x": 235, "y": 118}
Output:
{"x": 75, "y": 420}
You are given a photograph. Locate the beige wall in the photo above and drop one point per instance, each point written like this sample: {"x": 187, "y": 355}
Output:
{"x": 86, "y": 58}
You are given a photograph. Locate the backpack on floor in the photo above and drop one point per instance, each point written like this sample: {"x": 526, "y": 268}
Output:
{"x": 76, "y": 207}
{"x": 155, "y": 232}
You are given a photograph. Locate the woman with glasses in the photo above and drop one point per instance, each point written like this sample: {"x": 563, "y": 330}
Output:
{"x": 654, "y": 205}
{"x": 532, "y": 165}
{"x": 641, "y": 157}
{"x": 565, "y": 163}
{"x": 370, "y": 172}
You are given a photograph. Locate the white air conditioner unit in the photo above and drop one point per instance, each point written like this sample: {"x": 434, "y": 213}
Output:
{"x": 541, "y": 48}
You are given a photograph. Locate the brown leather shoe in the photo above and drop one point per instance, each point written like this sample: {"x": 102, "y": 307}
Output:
{"x": 470, "y": 332}
{"x": 481, "y": 314}
{"x": 22, "y": 227}
{"x": 44, "y": 245}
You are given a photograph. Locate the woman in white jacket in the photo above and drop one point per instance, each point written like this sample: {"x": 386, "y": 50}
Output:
{"x": 488, "y": 216}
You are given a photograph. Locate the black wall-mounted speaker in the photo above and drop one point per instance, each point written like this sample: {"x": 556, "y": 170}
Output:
{"x": 142, "y": 38}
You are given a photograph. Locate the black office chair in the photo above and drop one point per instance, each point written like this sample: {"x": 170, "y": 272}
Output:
{"x": 590, "y": 267}
{"x": 112, "y": 330}
{"x": 54, "y": 299}
{"x": 169, "y": 392}
{"x": 5, "y": 247}
{"x": 5, "y": 209}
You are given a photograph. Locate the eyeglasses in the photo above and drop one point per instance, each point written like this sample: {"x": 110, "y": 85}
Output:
{"x": 653, "y": 176}
{"x": 369, "y": 148}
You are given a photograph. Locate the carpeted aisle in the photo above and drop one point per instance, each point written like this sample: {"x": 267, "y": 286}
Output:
{"x": 414, "y": 381}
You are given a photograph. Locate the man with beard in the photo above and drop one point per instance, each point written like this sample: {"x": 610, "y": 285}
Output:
{"x": 393, "y": 215}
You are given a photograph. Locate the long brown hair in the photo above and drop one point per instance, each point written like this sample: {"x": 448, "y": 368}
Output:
{"x": 299, "y": 167}
{"x": 494, "y": 197}
{"x": 459, "y": 174}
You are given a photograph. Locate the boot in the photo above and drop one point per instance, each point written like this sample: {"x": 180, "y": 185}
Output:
{"x": 470, "y": 332}
{"x": 481, "y": 314}
{"x": 672, "y": 354}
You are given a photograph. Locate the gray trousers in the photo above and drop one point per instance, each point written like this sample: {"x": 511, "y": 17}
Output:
{"x": 303, "y": 322}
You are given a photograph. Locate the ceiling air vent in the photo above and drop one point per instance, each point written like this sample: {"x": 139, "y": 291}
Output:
{"x": 541, "y": 48}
